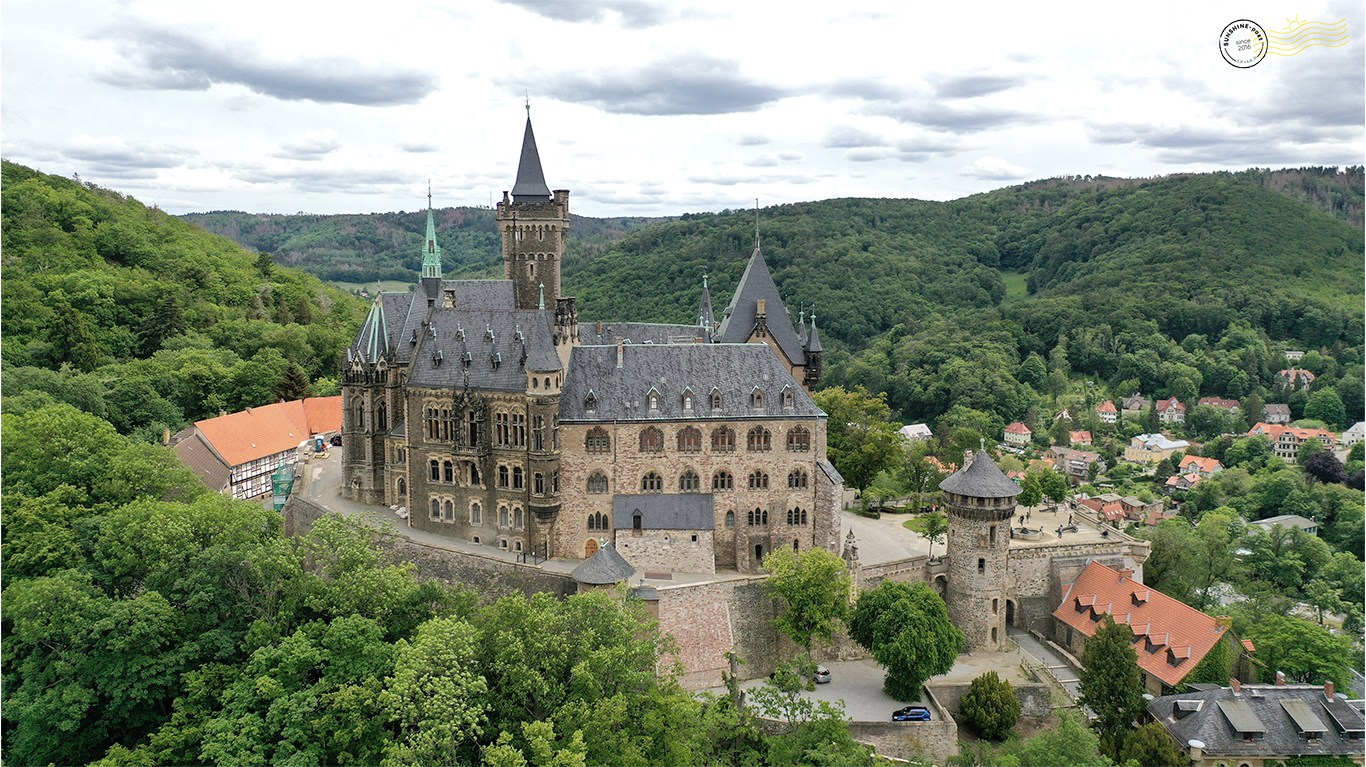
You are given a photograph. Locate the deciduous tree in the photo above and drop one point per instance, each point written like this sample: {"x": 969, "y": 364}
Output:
{"x": 815, "y": 585}
{"x": 862, "y": 438}
{"x": 907, "y": 630}
{"x": 1111, "y": 683}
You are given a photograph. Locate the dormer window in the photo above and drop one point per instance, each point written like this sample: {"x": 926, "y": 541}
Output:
{"x": 413, "y": 341}
{"x": 590, "y": 403}
{"x": 517, "y": 336}
{"x": 488, "y": 333}
{"x": 438, "y": 357}
{"x": 788, "y": 400}
{"x": 715, "y": 399}
{"x": 756, "y": 399}
{"x": 653, "y": 398}
{"x": 459, "y": 333}
{"x": 687, "y": 400}
{"x": 466, "y": 359}
{"x": 496, "y": 359}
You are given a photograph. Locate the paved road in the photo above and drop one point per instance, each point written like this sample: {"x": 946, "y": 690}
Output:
{"x": 1044, "y": 655}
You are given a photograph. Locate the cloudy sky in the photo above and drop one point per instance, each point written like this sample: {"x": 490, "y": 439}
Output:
{"x": 654, "y": 107}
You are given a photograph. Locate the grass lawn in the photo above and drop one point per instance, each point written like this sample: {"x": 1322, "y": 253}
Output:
{"x": 1016, "y": 287}
{"x": 916, "y": 524}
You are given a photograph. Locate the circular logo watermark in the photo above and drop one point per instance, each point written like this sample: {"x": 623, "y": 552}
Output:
{"x": 1243, "y": 43}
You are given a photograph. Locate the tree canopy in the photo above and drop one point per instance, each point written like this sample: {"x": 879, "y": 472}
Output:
{"x": 906, "y": 628}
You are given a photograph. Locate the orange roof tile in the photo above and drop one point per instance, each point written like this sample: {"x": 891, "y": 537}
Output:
{"x": 1206, "y": 465}
{"x": 1175, "y": 636}
{"x": 256, "y": 432}
{"x": 1106, "y": 407}
{"x": 1018, "y": 428}
{"x": 324, "y": 414}
{"x": 1077, "y": 437}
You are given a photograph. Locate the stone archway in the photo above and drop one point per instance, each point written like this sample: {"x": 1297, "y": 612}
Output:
{"x": 941, "y": 585}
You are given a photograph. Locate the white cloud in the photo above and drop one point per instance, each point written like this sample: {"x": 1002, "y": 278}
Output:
{"x": 994, "y": 169}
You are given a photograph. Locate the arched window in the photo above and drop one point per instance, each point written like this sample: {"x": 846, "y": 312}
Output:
{"x": 502, "y": 430}
{"x": 436, "y": 509}
{"x": 381, "y": 415}
{"x": 447, "y": 472}
{"x": 758, "y": 481}
{"x": 402, "y": 488}
{"x": 518, "y": 478}
{"x": 475, "y": 479}
{"x": 502, "y": 516}
{"x": 758, "y": 440}
{"x": 432, "y": 419}
{"x": 597, "y": 483}
{"x": 798, "y": 440}
{"x": 597, "y": 441}
{"x": 538, "y": 483}
{"x": 597, "y": 521}
{"x": 765, "y": 513}
{"x": 689, "y": 440}
{"x": 730, "y": 518}
{"x": 756, "y": 399}
{"x": 503, "y": 476}
{"x": 476, "y": 514}
{"x": 796, "y": 479}
{"x": 715, "y": 400}
{"x": 653, "y": 399}
{"x": 751, "y": 517}
{"x": 688, "y": 482}
{"x": 517, "y": 517}
{"x": 434, "y": 470}
{"x": 651, "y": 483}
{"x": 358, "y": 414}
{"x": 473, "y": 429}
{"x": 723, "y": 440}
{"x": 687, "y": 400}
{"x": 803, "y": 511}
{"x": 651, "y": 440}
{"x": 789, "y": 515}
{"x": 795, "y": 547}
{"x": 450, "y": 511}
{"x": 517, "y": 435}
{"x": 722, "y": 481}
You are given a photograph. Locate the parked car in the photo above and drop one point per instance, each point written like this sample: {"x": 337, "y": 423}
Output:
{"x": 822, "y": 675}
{"x": 911, "y": 714}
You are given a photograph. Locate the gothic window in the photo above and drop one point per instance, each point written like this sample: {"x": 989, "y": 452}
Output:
{"x": 517, "y": 518}
{"x": 435, "y": 473}
{"x": 382, "y": 416}
{"x": 689, "y": 440}
{"x": 475, "y": 479}
{"x": 473, "y": 429}
{"x": 688, "y": 482}
{"x": 432, "y": 419}
{"x": 756, "y": 399}
{"x": 651, "y": 440}
{"x": 722, "y": 481}
{"x": 538, "y": 432}
{"x": 788, "y": 400}
{"x": 758, "y": 481}
{"x": 447, "y": 472}
{"x": 715, "y": 400}
{"x": 796, "y": 480}
{"x": 452, "y": 424}
{"x": 450, "y": 511}
{"x": 436, "y": 509}
{"x": 759, "y": 440}
{"x": 789, "y": 515}
{"x": 796, "y": 516}
{"x": 636, "y": 521}
{"x": 502, "y": 516}
{"x": 758, "y": 517}
{"x": 597, "y": 483}
{"x": 402, "y": 488}
{"x": 751, "y": 518}
{"x": 518, "y": 435}
{"x": 358, "y": 414}
{"x": 502, "y": 433}
{"x": 597, "y": 521}
{"x": 503, "y": 475}
{"x": 597, "y": 441}
{"x": 476, "y": 514}
{"x": 538, "y": 483}
{"x": 651, "y": 483}
{"x": 518, "y": 481}
{"x": 730, "y": 518}
{"x": 723, "y": 440}
{"x": 653, "y": 399}
{"x": 798, "y": 440}
{"x": 687, "y": 400}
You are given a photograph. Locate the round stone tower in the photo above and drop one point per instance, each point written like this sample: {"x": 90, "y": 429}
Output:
{"x": 980, "y": 502}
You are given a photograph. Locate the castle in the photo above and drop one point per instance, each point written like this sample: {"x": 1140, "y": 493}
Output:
{"x": 496, "y": 415}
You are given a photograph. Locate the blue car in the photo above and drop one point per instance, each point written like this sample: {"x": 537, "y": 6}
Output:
{"x": 911, "y": 714}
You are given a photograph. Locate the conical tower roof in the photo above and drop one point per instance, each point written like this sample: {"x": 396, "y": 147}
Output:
{"x": 540, "y": 352}
{"x": 431, "y": 251}
{"x": 813, "y": 342}
{"x": 757, "y": 284}
{"x": 530, "y": 186}
{"x": 983, "y": 479}
{"x": 606, "y": 566}
{"x": 705, "y": 318}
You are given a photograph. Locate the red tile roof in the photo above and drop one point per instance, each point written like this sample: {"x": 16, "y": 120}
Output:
{"x": 1170, "y": 637}
{"x": 1078, "y": 437}
{"x": 1207, "y": 465}
{"x": 1163, "y": 404}
{"x": 1018, "y": 428}
{"x": 1275, "y": 430}
{"x": 324, "y": 414}
{"x": 1106, "y": 407}
{"x": 1226, "y": 404}
{"x": 258, "y": 432}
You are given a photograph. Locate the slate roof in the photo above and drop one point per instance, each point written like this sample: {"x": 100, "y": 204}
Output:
{"x": 607, "y": 333}
{"x": 1217, "y": 718}
{"x": 664, "y": 511}
{"x": 383, "y": 326}
{"x": 481, "y": 294}
{"x": 831, "y": 472}
{"x": 1171, "y": 638}
{"x": 813, "y": 342}
{"x": 541, "y": 355}
{"x": 738, "y": 321}
{"x": 444, "y": 337}
{"x": 196, "y": 454}
{"x": 620, "y": 393}
{"x": 983, "y": 479}
{"x": 530, "y": 186}
{"x": 606, "y": 566}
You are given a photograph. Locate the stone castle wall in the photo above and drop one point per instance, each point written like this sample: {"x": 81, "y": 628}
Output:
{"x": 667, "y": 550}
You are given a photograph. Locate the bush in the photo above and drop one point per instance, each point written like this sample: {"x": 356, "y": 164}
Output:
{"x": 990, "y": 706}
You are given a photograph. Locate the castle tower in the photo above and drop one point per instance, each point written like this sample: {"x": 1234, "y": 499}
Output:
{"x": 371, "y": 401}
{"x": 534, "y": 224}
{"x": 980, "y": 502}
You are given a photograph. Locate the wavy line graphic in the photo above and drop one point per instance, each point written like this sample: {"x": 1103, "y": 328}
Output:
{"x": 1301, "y": 35}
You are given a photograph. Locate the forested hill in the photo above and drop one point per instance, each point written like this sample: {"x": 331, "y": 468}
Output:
{"x": 361, "y": 248}
{"x": 137, "y": 317}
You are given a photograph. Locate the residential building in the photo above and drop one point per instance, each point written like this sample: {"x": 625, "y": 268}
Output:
{"x": 1354, "y": 435}
{"x": 1134, "y": 406}
{"x": 1072, "y": 462}
{"x": 1205, "y": 467}
{"x": 1079, "y": 438}
{"x": 1181, "y": 482}
{"x": 1107, "y": 412}
{"x": 1018, "y": 434}
{"x": 1135, "y": 508}
{"x": 1288, "y": 520}
{"x": 1231, "y": 405}
{"x": 236, "y": 453}
{"x": 1293, "y": 356}
{"x": 1259, "y": 725}
{"x": 1286, "y": 440}
{"x": 1171, "y": 411}
{"x": 1151, "y": 448}
{"x": 1276, "y": 414}
{"x": 916, "y": 432}
{"x": 1171, "y": 638}
{"x": 1064, "y": 413}
{"x": 1295, "y": 378}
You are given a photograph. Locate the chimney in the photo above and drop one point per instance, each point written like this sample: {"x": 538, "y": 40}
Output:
{"x": 1328, "y": 690}
{"x": 1196, "y": 749}
{"x": 166, "y": 436}
{"x": 1280, "y": 678}
{"x": 1236, "y": 686}
{"x": 967, "y": 459}
{"x": 222, "y": 412}
{"x": 760, "y": 310}
{"x": 621, "y": 352}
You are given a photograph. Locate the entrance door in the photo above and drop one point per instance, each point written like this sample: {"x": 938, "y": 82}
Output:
{"x": 590, "y": 548}
{"x": 758, "y": 553}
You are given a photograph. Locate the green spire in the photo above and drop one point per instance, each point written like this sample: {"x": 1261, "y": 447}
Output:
{"x": 542, "y": 293}
{"x": 431, "y": 252}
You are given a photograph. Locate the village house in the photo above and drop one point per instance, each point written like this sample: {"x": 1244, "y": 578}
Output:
{"x": 1107, "y": 412}
{"x": 236, "y": 453}
{"x": 1134, "y": 406}
{"x": 1231, "y": 405}
{"x": 1151, "y": 448}
{"x": 1286, "y": 440}
{"x": 1293, "y": 356}
{"x": 1205, "y": 467}
{"x": 1354, "y": 435}
{"x": 1136, "y": 508}
{"x": 1082, "y": 438}
{"x": 1295, "y": 378}
{"x": 916, "y": 432}
{"x": 1180, "y": 482}
{"x": 1071, "y": 462}
{"x": 1018, "y": 435}
{"x": 1171, "y": 411}
{"x": 1288, "y": 520}
{"x": 1171, "y": 638}
{"x": 1276, "y": 414}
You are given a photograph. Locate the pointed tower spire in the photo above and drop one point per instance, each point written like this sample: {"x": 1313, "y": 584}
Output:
{"x": 431, "y": 252}
{"x": 542, "y": 307}
{"x": 813, "y": 342}
{"x": 530, "y": 186}
{"x": 801, "y": 327}
{"x": 756, "y": 223}
{"x": 705, "y": 318}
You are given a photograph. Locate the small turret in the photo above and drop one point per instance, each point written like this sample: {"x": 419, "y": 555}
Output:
{"x": 706, "y": 320}
{"x": 812, "y": 349}
{"x": 431, "y": 257}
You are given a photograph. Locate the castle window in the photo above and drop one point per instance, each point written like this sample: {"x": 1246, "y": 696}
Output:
{"x": 798, "y": 440}
{"x": 517, "y": 545}
{"x": 597, "y": 441}
{"x": 518, "y": 479}
{"x": 758, "y": 440}
{"x": 476, "y": 515}
{"x": 795, "y": 547}
{"x": 756, "y": 399}
{"x": 436, "y": 509}
{"x": 796, "y": 516}
{"x": 538, "y": 432}
{"x": 501, "y": 432}
{"x": 715, "y": 400}
{"x": 995, "y": 603}
{"x": 688, "y": 482}
{"x": 475, "y": 479}
{"x": 654, "y": 400}
{"x": 402, "y": 488}
{"x": 358, "y": 414}
{"x": 450, "y": 511}
{"x": 689, "y": 440}
{"x": 473, "y": 429}
{"x": 788, "y": 400}
{"x": 502, "y": 516}
{"x": 723, "y": 440}
{"x": 651, "y": 440}
{"x": 722, "y": 481}
{"x": 796, "y": 479}
{"x": 518, "y": 430}
{"x": 636, "y": 521}
{"x": 730, "y": 518}
{"x": 758, "y": 481}
{"x": 991, "y": 535}
{"x": 590, "y": 403}
{"x": 381, "y": 414}
{"x": 555, "y": 482}
{"x": 651, "y": 483}
{"x": 981, "y": 565}
{"x": 448, "y": 472}
{"x": 502, "y": 543}
{"x": 517, "y": 518}
{"x": 538, "y": 483}
{"x": 597, "y": 483}
{"x": 687, "y": 400}
{"x": 597, "y": 521}
{"x": 435, "y": 470}
{"x": 433, "y": 422}
{"x": 751, "y": 517}
{"x": 503, "y": 477}
{"x": 445, "y": 425}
